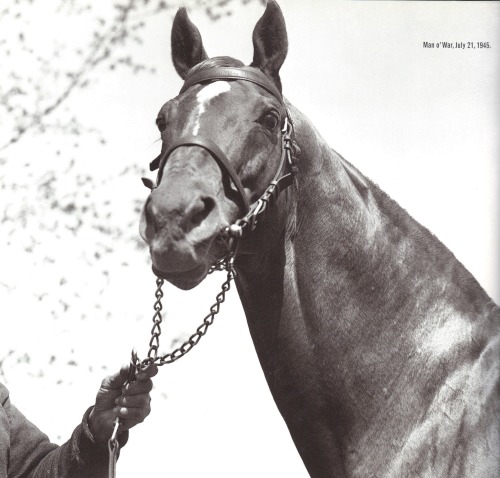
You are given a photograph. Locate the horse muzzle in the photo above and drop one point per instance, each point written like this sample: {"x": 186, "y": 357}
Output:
{"x": 182, "y": 227}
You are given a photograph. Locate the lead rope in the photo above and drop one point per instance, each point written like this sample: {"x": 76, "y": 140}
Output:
{"x": 137, "y": 365}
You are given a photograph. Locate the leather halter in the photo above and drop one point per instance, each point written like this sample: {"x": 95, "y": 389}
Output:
{"x": 281, "y": 180}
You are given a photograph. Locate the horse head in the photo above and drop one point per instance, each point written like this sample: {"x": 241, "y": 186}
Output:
{"x": 221, "y": 147}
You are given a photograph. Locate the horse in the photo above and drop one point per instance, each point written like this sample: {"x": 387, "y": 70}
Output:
{"x": 379, "y": 348}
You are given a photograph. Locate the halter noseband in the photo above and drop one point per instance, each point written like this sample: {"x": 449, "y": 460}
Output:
{"x": 281, "y": 179}
{"x": 217, "y": 154}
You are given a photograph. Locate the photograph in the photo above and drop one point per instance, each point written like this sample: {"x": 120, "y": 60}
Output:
{"x": 246, "y": 238}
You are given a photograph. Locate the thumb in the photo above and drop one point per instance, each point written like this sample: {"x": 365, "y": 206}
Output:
{"x": 117, "y": 380}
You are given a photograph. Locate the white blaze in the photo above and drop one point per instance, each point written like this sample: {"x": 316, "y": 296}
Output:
{"x": 204, "y": 96}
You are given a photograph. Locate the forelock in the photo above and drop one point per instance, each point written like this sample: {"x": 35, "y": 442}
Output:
{"x": 215, "y": 62}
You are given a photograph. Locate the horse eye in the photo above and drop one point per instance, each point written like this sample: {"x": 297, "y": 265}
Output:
{"x": 161, "y": 123}
{"x": 270, "y": 121}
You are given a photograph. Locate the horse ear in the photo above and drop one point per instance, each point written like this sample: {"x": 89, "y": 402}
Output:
{"x": 270, "y": 42}
{"x": 187, "y": 45}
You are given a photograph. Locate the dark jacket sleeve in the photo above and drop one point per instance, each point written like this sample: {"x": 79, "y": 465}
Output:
{"x": 32, "y": 455}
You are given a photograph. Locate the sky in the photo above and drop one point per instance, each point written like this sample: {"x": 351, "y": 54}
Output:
{"x": 420, "y": 122}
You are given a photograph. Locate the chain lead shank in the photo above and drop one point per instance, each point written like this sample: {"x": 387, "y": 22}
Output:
{"x": 154, "y": 344}
{"x": 176, "y": 354}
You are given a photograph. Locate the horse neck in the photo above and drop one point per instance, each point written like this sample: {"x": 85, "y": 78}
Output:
{"x": 330, "y": 212}
{"x": 348, "y": 308}
{"x": 327, "y": 216}
{"x": 342, "y": 229}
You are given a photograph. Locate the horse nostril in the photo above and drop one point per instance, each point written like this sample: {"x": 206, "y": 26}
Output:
{"x": 150, "y": 214}
{"x": 199, "y": 210}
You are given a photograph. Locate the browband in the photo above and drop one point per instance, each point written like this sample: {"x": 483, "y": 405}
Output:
{"x": 219, "y": 74}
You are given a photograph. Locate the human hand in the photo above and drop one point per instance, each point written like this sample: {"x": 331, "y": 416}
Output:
{"x": 130, "y": 402}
